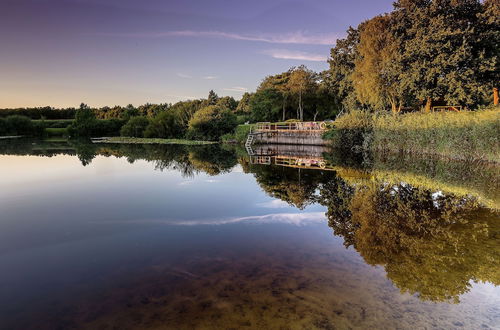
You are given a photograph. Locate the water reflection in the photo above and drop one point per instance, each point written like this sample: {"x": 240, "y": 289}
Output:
{"x": 436, "y": 236}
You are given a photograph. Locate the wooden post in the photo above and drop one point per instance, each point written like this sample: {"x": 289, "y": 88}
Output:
{"x": 428, "y": 105}
{"x": 495, "y": 96}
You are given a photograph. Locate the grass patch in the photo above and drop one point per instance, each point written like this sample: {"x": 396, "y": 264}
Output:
{"x": 239, "y": 136}
{"x": 133, "y": 140}
{"x": 52, "y": 131}
{"x": 466, "y": 135}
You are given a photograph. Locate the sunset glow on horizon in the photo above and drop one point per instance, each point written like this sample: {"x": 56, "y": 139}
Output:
{"x": 64, "y": 52}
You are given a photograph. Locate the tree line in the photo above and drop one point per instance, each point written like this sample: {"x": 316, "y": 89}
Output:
{"x": 421, "y": 53}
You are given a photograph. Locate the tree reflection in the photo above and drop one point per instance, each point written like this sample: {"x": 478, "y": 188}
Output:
{"x": 296, "y": 187}
{"x": 430, "y": 244}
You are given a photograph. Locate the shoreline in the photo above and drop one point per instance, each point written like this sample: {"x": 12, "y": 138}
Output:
{"x": 133, "y": 140}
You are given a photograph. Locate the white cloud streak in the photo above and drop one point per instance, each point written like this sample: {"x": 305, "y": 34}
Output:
{"x": 210, "y": 77}
{"x": 286, "y": 54}
{"x": 183, "y": 75}
{"x": 236, "y": 89}
{"x": 274, "y": 204}
{"x": 298, "y": 37}
{"x": 298, "y": 219}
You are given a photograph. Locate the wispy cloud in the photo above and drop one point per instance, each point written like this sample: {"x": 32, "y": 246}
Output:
{"x": 236, "y": 89}
{"x": 183, "y": 75}
{"x": 274, "y": 204}
{"x": 298, "y": 37}
{"x": 294, "y": 55}
{"x": 298, "y": 219}
{"x": 210, "y": 77}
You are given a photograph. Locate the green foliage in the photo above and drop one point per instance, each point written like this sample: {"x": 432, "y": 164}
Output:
{"x": 210, "y": 123}
{"x": 339, "y": 76}
{"x": 40, "y": 113}
{"x": 422, "y": 51}
{"x": 351, "y": 132}
{"x": 239, "y": 136}
{"x": 464, "y": 135}
{"x": 244, "y": 104}
{"x": 19, "y": 125}
{"x": 266, "y": 105}
{"x": 469, "y": 135}
{"x": 86, "y": 124}
{"x": 212, "y": 98}
{"x": 135, "y": 127}
{"x": 51, "y": 131}
{"x": 227, "y": 102}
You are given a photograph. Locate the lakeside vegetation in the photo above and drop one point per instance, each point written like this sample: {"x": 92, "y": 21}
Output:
{"x": 133, "y": 140}
{"x": 471, "y": 135}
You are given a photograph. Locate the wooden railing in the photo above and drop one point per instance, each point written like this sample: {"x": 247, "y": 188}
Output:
{"x": 456, "y": 108}
{"x": 292, "y": 126}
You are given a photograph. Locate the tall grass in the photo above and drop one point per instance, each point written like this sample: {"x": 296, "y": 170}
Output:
{"x": 469, "y": 135}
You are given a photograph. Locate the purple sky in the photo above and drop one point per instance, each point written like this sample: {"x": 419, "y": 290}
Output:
{"x": 115, "y": 52}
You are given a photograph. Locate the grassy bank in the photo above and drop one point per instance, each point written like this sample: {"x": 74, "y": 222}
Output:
{"x": 467, "y": 135}
{"x": 132, "y": 140}
{"x": 239, "y": 136}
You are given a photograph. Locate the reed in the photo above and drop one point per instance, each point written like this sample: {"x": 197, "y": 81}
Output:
{"x": 467, "y": 135}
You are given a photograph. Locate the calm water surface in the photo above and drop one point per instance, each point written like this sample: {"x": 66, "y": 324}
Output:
{"x": 171, "y": 237}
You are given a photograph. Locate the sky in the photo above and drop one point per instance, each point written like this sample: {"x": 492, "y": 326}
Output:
{"x": 115, "y": 52}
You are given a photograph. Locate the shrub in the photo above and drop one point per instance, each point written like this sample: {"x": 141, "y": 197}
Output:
{"x": 352, "y": 131}
{"x": 166, "y": 125}
{"x": 210, "y": 123}
{"x": 135, "y": 127}
{"x": 84, "y": 124}
{"x": 19, "y": 125}
{"x": 4, "y": 127}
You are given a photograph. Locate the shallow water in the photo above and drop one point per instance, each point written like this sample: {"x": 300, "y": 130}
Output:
{"x": 122, "y": 237}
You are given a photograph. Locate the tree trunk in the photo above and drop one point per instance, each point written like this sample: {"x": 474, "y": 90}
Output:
{"x": 301, "y": 110}
{"x": 393, "y": 107}
{"x": 428, "y": 105}
{"x": 283, "y": 109}
{"x": 495, "y": 96}
{"x": 315, "y": 114}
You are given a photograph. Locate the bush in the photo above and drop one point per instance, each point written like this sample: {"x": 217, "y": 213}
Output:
{"x": 19, "y": 125}
{"x": 210, "y": 123}
{"x": 86, "y": 124}
{"x": 166, "y": 125}
{"x": 352, "y": 131}
{"x": 135, "y": 127}
{"x": 4, "y": 127}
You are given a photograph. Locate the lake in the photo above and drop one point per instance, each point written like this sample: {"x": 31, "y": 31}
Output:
{"x": 210, "y": 237}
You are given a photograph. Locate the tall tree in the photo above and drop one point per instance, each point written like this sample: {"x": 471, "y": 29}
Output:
{"x": 377, "y": 68}
{"x": 302, "y": 82}
{"x": 339, "y": 76}
{"x": 279, "y": 83}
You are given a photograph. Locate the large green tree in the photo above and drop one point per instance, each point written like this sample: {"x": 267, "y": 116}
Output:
{"x": 440, "y": 50}
{"x": 377, "y": 68}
